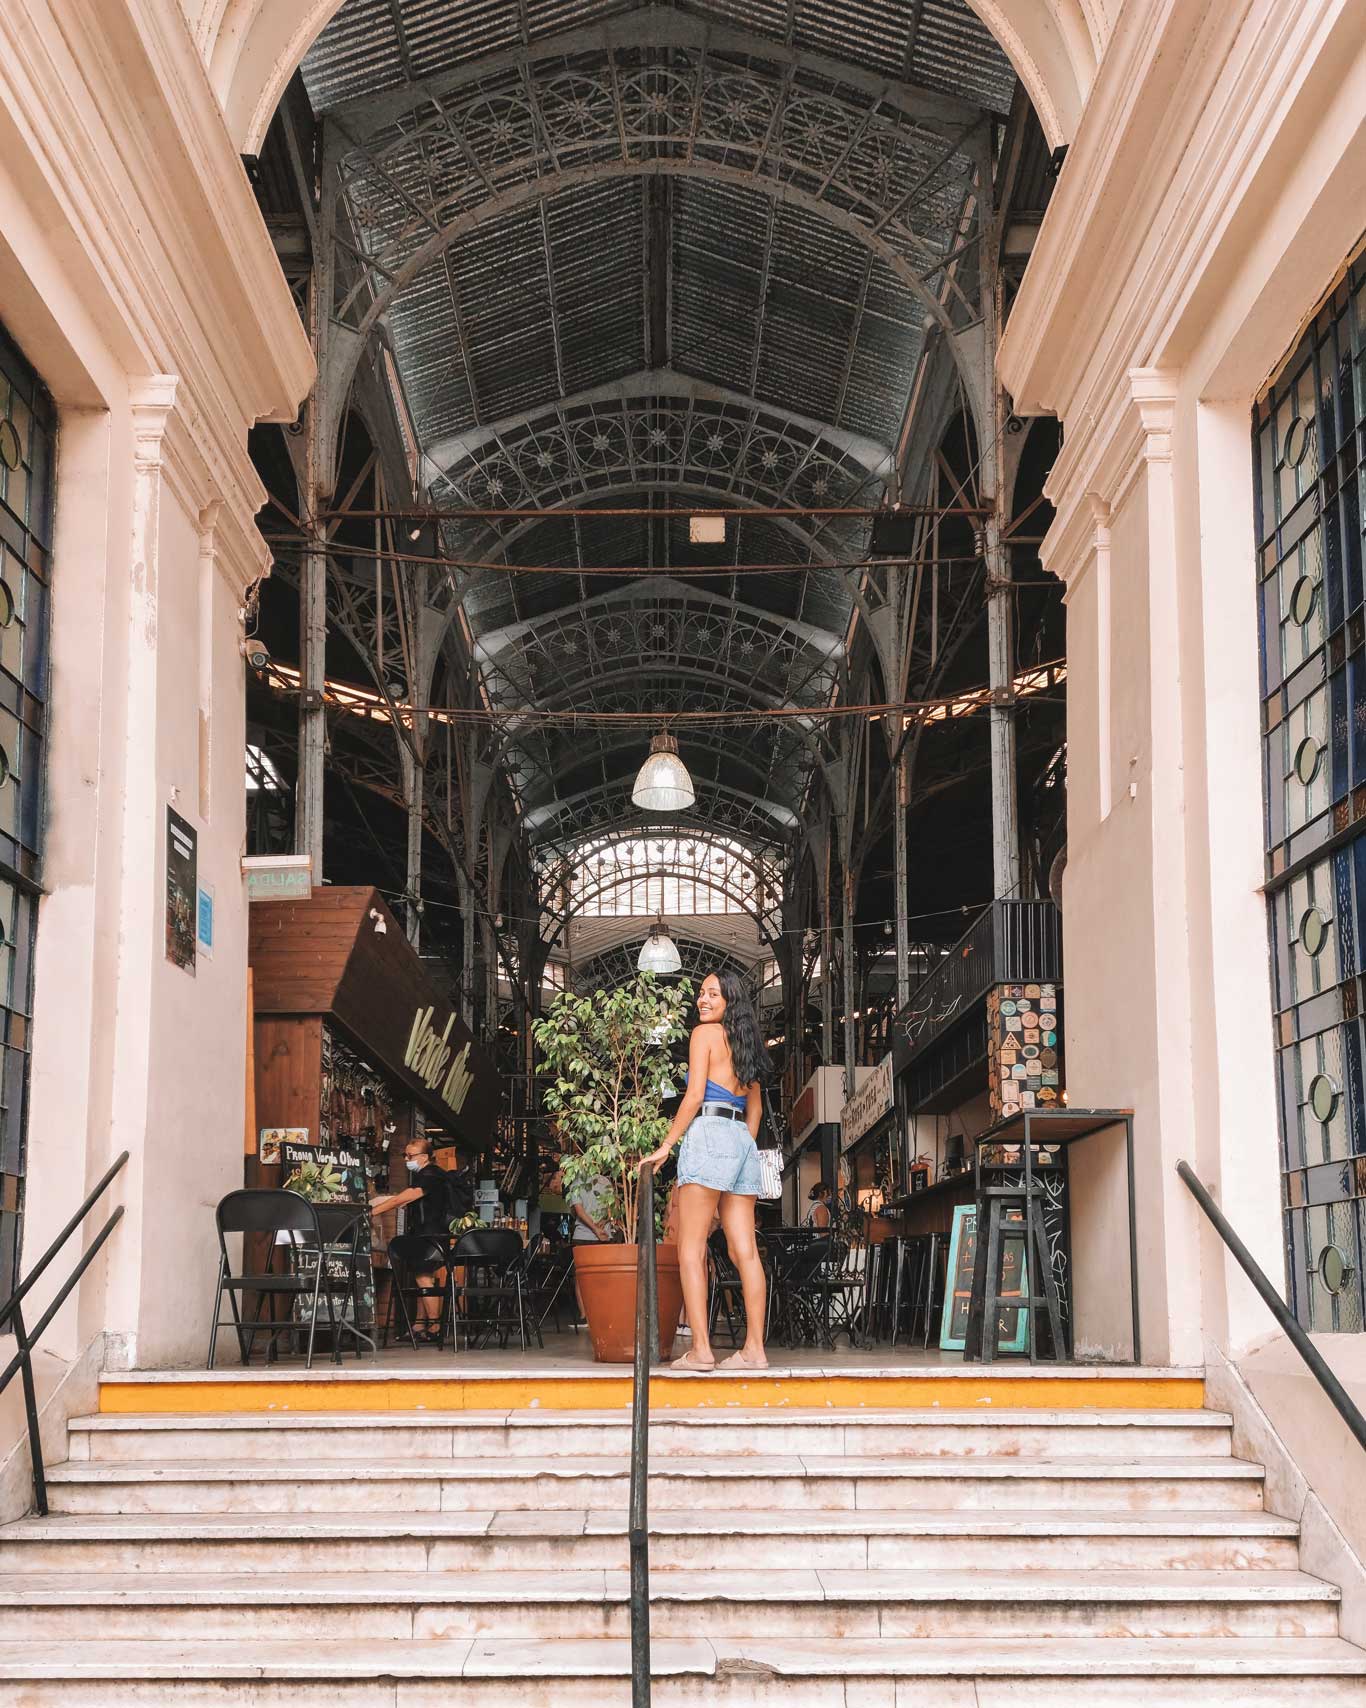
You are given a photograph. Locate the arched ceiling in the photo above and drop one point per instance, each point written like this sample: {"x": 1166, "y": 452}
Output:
{"x": 632, "y": 260}
{"x": 252, "y": 47}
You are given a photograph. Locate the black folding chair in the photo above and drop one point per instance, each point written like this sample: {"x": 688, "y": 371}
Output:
{"x": 267, "y": 1211}
{"x": 838, "y": 1288}
{"x": 493, "y": 1294}
{"x": 549, "y": 1269}
{"x": 412, "y": 1255}
{"x": 727, "y": 1293}
{"x": 798, "y": 1304}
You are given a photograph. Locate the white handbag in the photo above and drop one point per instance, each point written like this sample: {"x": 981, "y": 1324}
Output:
{"x": 770, "y": 1174}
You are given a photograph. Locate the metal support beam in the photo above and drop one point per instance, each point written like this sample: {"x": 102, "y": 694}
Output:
{"x": 848, "y": 887}
{"x": 415, "y": 778}
{"x": 1005, "y": 829}
{"x": 315, "y": 497}
{"x": 901, "y": 865}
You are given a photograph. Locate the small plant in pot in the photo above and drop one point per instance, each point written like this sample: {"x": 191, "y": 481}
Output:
{"x": 608, "y": 1060}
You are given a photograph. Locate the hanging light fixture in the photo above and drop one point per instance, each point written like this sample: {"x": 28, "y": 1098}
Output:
{"x": 663, "y": 784}
{"x": 659, "y": 953}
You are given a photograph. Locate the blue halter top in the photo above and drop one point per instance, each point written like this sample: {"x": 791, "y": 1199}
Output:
{"x": 718, "y": 1094}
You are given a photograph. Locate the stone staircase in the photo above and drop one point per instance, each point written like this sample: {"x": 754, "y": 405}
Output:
{"x": 477, "y": 1559}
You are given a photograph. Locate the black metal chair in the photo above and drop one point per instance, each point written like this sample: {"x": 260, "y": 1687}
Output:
{"x": 836, "y": 1290}
{"x": 798, "y": 1308}
{"x": 493, "y": 1294}
{"x": 411, "y": 1256}
{"x": 267, "y": 1212}
{"x": 726, "y": 1293}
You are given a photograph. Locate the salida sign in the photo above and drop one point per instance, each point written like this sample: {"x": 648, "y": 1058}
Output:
{"x": 429, "y": 1056}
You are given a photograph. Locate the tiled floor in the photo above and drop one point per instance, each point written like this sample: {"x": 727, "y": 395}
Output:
{"x": 571, "y": 1353}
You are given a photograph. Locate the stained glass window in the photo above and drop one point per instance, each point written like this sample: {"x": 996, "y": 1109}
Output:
{"x": 1309, "y": 439}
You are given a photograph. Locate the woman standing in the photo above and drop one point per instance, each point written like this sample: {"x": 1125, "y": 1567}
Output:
{"x": 718, "y": 1122}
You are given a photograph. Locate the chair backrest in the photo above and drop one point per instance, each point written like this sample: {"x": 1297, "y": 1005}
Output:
{"x": 806, "y": 1260}
{"x": 720, "y": 1253}
{"x": 415, "y": 1252}
{"x": 267, "y": 1210}
{"x": 500, "y": 1248}
{"x": 341, "y": 1222}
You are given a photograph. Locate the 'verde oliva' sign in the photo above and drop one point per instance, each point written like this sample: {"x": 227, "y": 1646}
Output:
{"x": 429, "y": 1056}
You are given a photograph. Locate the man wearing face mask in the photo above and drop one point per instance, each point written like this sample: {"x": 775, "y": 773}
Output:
{"x": 429, "y": 1202}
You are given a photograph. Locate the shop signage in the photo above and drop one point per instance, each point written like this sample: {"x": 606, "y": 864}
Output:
{"x": 278, "y": 877}
{"x": 331, "y": 1174}
{"x": 429, "y": 1057}
{"x": 873, "y": 1099}
{"x": 341, "y": 954}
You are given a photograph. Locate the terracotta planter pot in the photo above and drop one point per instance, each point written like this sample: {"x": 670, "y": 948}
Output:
{"x": 607, "y": 1285}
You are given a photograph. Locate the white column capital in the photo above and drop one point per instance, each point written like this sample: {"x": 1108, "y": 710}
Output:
{"x": 1154, "y": 393}
{"x": 151, "y": 401}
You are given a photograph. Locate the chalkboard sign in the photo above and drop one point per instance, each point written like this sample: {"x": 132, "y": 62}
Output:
{"x": 1012, "y": 1325}
{"x": 329, "y": 1174}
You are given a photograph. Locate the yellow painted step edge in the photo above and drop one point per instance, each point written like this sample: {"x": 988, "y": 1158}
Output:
{"x": 921, "y": 1393}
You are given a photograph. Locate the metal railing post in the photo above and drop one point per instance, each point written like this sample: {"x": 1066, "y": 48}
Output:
{"x": 12, "y": 1311}
{"x": 1318, "y": 1365}
{"x": 646, "y": 1353}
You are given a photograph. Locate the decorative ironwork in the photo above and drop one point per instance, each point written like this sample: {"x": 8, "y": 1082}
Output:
{"x": 887, "y": 162}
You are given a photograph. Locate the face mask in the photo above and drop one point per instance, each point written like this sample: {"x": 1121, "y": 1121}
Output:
{"x": 412, "y": 1164}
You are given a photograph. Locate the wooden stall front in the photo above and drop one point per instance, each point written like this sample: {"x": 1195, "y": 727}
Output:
{"x": 354, "y": 1044}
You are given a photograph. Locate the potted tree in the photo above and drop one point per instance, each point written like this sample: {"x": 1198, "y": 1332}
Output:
{"x": 608, "y": 1060}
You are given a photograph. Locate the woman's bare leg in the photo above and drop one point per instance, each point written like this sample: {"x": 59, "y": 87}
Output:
{"x": 737, "y": 1218}
{"x": 696, "y": 1207}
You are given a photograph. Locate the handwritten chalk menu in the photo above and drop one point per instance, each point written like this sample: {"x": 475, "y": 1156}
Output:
{"x": 326, "y": 1174}
{"x": 1012, "y": 1325}
{"x": 1024, "y": 1048}
{"x": 331, "y": 1174}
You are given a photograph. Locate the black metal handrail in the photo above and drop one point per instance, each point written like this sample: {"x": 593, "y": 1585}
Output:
{"x": 1346, "y": 1407}
{"x": 13, "y": 1311}
{"x": 646, "y": 1353}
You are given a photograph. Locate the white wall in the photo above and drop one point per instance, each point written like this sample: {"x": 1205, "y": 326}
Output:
{"x": 1212, "y": 192}
{"x": 149, "y": 300}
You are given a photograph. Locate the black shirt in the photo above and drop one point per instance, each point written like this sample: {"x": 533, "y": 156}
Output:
{"x": 433, "y": 1211}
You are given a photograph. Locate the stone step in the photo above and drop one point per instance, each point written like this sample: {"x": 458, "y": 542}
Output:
{"x": 707, "y": 1603}
{"x": 445, "y": 1435}
{"x": 753, "y": 1539}
{"x": 715, "y": 1482}
{"x": 753, "y": 1672}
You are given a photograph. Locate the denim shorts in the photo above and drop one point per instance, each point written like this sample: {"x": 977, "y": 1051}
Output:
{"x": 720, "y": 1154}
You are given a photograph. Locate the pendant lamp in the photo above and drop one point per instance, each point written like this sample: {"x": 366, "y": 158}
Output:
{"x": 663, "y": 784}
{"x": 659, "y": 953}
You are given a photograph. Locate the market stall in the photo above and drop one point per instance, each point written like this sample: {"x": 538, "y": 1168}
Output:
{"x": 356, "y": 1050}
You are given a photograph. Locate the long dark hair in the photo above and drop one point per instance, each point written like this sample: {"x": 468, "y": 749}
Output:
{"x": 748, "y": 1052}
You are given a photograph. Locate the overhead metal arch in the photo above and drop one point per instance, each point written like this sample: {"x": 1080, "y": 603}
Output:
{"x": 574, "y": 452}
{"x": 617, "y": 966}
{"x": 661, "y": 27}
{"x": 519, "y": 128}
{"x": 253, "y": 47}
{"x": 648, "y": 600}
{"x": 345, "y": 353}
{"x": 446, "y": 454}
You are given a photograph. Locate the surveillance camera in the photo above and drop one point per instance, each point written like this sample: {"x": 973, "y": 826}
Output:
{"x": 256, "y": 653}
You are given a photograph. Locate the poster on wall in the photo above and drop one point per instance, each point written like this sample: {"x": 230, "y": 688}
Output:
{"x": 182, "y": 890}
